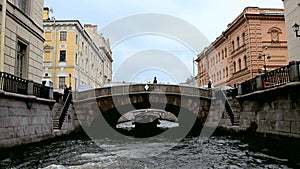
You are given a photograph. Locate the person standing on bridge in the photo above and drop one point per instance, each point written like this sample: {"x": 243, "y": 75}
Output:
{"x": 154, "y": 81}
{"x": 209, "y": 84}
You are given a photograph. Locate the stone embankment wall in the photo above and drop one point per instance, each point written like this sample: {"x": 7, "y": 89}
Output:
{"x": 24, "y": 119}
{"x": 273, "y": 111}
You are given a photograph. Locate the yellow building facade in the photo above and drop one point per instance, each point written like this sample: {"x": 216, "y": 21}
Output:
{"x": 70, "y": 55}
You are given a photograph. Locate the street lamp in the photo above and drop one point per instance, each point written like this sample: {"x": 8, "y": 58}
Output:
{"x": 264, "y": 55}
{"x": 296, "y": 29}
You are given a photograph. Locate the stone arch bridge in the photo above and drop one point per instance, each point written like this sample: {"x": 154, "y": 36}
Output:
{"x": 188, "y": 104}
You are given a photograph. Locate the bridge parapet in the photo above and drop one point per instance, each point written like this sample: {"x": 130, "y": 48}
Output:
{"x": 144, "y": 88}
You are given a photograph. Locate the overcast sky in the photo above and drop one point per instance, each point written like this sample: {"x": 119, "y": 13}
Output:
{"x": 209, "y": 17}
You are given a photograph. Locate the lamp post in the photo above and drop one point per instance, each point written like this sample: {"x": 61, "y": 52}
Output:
{"x": 296, "y": 29}
{"x": 264, "y": 56}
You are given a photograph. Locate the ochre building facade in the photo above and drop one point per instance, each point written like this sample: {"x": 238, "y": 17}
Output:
{"x": 255, "y": 42}
{"x": 72, "y": 56}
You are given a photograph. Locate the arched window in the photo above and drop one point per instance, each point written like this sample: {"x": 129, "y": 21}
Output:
{"x": 222, "y": 54}
{"x": 274, "y": 32}
{"x": 245, "y": 61}
{"x": 234, "y": 67}
{"x": 238, "y": 42}
{"x": 232, "y": 43}
{"x": 244, "y": 38}
{"x": 226, "y": 71}
{"x": 240, "y": 64}
{"x": 225, "y": 52}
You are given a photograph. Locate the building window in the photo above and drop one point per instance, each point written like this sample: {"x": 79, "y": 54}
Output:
{"x": 223, "y": 73}
{"x": 23, "y": 5}
{"x": 244, "y": 38}
{"x": 232, "y": 43}
{"x": 226, "y": 71}
{"x": 76, "y": 39}
{"x": 234, "y": 67}
{"x": 63, "y": 35}
{"x": 62, "y": 56}
{"x": 238, "y": 42}
{"x": 225, "y": 52}
{"x": 61, "y": 82}
{"x": 240, "y": 64}
{"x": 76, "y": 58}
{"x": 222, "y": 54}
{"x": 245, "y": 61}
{"x": 20, "y": 60}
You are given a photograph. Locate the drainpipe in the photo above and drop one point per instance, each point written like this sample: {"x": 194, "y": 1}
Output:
{"x": 3, "y": 19}
{"x": 249, "y": 45}
{"x": 54, "y": 54}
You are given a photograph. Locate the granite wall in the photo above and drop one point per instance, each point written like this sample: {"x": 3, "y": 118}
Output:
{"x": 24, "y": 119}
{"x": 273, "y": 111}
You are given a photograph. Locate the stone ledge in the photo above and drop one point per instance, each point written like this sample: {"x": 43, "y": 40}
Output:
{"x": 26, "y": 98}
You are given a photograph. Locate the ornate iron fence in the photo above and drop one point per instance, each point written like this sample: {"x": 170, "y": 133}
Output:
{"x": 272, "y": 79}
{"x": 249, "y": 86}
{"x": 276, "y": 77}
{"x": 14, "y": 84}
{"x": 40, "y": 90}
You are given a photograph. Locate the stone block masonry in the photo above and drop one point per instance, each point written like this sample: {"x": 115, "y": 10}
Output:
{"x": 275, "y": 111}
{"x": 20, "y": 124}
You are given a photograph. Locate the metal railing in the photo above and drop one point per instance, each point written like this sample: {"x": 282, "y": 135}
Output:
{"x": 41, "y": 91}
{"x": 14, "y": 84}
{"x": 248, "y": 86}
{"x": 274, "y": 78}
{"x": 64, "y": 110}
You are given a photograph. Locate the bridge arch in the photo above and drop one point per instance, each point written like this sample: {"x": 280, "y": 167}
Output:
{"x": 107, "y": 105}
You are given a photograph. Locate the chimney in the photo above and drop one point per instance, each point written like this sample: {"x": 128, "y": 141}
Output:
{"x": 46, "y": 13}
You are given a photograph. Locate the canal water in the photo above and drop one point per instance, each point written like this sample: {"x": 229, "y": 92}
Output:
{"x": 222, "y": 150}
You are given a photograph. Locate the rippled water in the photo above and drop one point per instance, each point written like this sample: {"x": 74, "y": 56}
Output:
{"x": 218, "y": 151}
